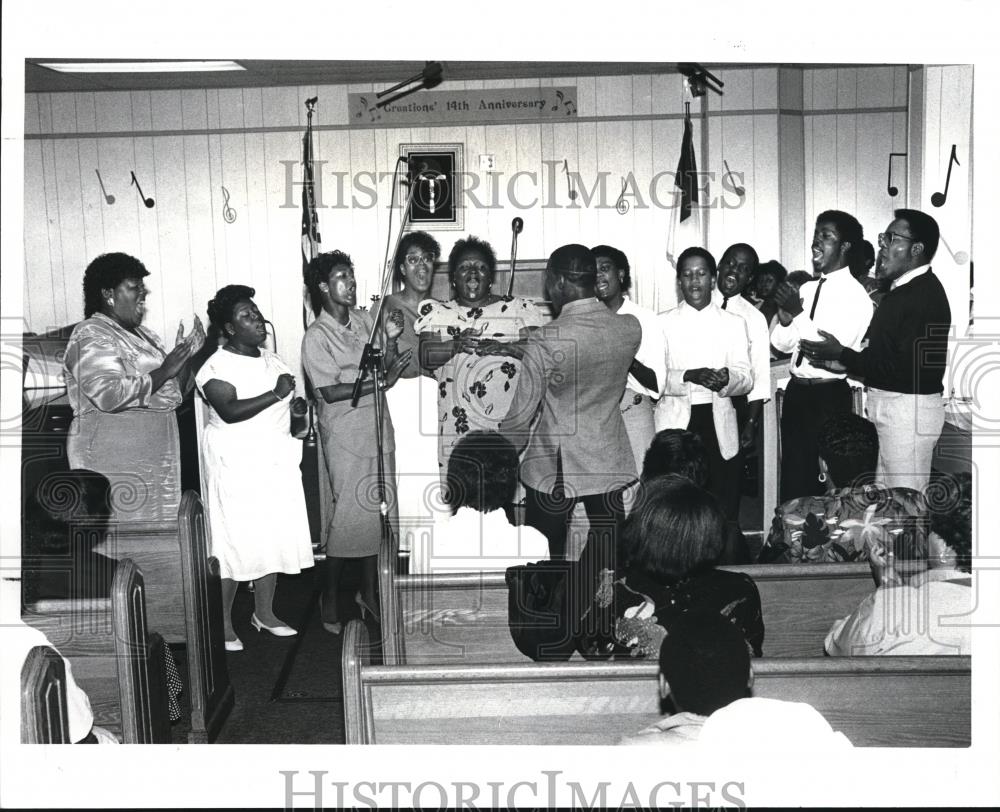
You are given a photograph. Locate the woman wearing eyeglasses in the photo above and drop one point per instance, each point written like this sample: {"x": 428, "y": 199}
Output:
{"x": 413, "y": 400}
{"x": 473, "y": 345}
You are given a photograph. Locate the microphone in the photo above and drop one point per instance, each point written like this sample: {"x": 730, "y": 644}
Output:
{"x": 516, "y": 225}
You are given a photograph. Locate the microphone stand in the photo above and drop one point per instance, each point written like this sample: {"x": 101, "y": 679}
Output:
{"x": 372, "y": 362}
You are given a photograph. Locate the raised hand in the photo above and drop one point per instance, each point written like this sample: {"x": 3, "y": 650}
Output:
{"x": 786, "y": 296}
{"x": 174, "y": 363}
{"x": 394, "y": 324}
{"x": 284, "y": 386}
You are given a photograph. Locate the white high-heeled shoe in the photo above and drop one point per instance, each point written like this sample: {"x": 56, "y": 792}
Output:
{"x": 277, "y": 631}
{"x": 234, "y": 645}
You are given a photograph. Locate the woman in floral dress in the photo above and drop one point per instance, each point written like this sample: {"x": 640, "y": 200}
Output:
{"x": 473, "y": 345}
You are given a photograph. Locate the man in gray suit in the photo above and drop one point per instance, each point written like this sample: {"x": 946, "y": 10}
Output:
{"x": 572, "y": 378}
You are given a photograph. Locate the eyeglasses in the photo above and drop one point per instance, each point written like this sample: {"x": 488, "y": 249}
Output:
{"x": 885, "y": 240}
{"x": 413, "y": 260}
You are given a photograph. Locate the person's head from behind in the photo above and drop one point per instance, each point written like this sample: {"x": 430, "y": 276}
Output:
{"x": 675, "y": 529}
{"x": 482, "y": 472}
{"x": 848, "y": 450}
{"x": 951, "y": 521}
{"x": 704, "y": 663}
{"x": 570, "y": 274}
{"x": 862, "y": 260}
{"x": 767, "y": 278}
{"x": 798, "y": 278}
{"x": 63, "y": 503}
{"x": 676, "y": 451}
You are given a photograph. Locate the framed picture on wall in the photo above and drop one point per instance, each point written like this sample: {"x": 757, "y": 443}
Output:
{"x": 434, "y": 172}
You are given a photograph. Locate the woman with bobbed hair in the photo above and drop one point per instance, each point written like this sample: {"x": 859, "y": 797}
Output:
{"x": 331, "y": 354}
{"x": 253, "y": 489}
{"x": 673, "y": 540}
{"x": 482, "y": 479}
{"x": 124, "y": 388}
{"x": 413, "y": 400}
{"x": 473, "y": 344}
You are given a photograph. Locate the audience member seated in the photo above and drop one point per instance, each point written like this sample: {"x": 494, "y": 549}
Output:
{"x": 921, "y": 605}
{"x": 841, "y": 524}
{"x": 63, "y": 521}
{"x": 762, "y": 725}
{"x": 481, "y": 482}
{"x": 19, "y": 639}
{"x": 704, "y": 665}
{"x": 673, "y": 540}
{"x": 677, "y": 451}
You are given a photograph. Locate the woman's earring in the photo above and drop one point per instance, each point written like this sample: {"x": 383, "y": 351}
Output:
{"x": 822, "y": 476}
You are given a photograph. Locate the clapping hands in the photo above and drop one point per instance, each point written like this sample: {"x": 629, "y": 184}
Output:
{"x": 714, "y": 379}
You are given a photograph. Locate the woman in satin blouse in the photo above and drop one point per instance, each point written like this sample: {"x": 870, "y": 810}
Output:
{"x": 124, "y": 387}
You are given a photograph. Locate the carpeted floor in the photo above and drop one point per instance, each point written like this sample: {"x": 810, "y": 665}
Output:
{"x": 288, "y": 689}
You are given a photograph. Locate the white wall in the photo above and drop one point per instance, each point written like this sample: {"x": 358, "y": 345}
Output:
{"x": 185, "y": 145}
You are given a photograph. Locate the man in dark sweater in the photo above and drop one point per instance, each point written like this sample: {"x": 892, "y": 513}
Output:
{"x": 903, "y": 364}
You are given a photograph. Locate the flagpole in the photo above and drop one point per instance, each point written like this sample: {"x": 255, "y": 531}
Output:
{"x": 704, "y": 210}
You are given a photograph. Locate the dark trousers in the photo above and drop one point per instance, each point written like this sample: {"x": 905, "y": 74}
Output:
{"x": 549, "y": 513}
{"x": 723, "y": 475}
{"x": 804, "y": 410}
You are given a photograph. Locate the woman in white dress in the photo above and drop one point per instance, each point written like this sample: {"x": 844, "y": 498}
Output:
{"x": 253, "y": 488}
{"x": 413, "y": 400}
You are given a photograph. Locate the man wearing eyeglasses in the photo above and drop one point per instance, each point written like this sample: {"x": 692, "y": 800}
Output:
{"x": 903, "y": 364}
{"x": 837, "y": 303}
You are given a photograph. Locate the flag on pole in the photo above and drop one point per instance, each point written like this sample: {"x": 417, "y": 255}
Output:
{"x": 684, "y": 227}
{"x": 311, "y": 240}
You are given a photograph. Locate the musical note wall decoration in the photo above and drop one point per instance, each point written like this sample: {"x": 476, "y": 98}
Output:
{"x": 891, "y": 190}
{"x": 569, "y": 182}
{"x": 148, "y": 202}
{"x": 109, "y": 199}
{"x": 958, "y": 257}
{"x": 938, "y": 199}
{"x": 622, "y": 206}
{"x": 740, "y": 191}
{"x": 228, "y": 212}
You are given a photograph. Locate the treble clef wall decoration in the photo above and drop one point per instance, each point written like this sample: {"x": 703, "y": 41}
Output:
{"x": 622, "y": 206}
{"x": 228, "y": 212}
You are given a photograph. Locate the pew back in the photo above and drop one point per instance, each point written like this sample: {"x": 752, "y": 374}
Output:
{"x": 874, "y": 701}
{"x": 44, "y": 710}
{"x": 461, "y": 618}
{"x": 117, "y": 662}
{"x": 184, "y": 601}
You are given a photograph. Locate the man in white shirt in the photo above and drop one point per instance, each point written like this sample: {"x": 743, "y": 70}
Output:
{"x": 837, "y": 304}
{"x": 649, "y": 369}
{"x": 736, "y": 269}
{"x": 708, "y": 363}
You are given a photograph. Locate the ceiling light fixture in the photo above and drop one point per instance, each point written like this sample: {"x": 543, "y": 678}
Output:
{"x": 178, "y": 66}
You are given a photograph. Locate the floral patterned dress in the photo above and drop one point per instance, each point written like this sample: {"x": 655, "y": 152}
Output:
{"x": 841, "y": 526}
{"x": 474, "y": 391}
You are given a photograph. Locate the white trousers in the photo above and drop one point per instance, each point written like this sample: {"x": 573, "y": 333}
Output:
{"x": 908, "y": 429}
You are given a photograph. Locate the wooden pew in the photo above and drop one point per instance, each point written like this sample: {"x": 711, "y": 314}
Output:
{"x": 462, "y": 618}
{"x": 44, "y": 709}
{"x": 116, "y": 661}
{"x": 874, "y": 701}
{"x": 184, "y": 602}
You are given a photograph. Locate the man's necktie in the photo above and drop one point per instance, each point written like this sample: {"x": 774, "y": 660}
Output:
{"x": 725, "y": 301}
{"x": 812, "y": 312}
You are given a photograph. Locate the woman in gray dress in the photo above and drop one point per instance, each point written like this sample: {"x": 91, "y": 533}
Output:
{"x": 331, "y": 353}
